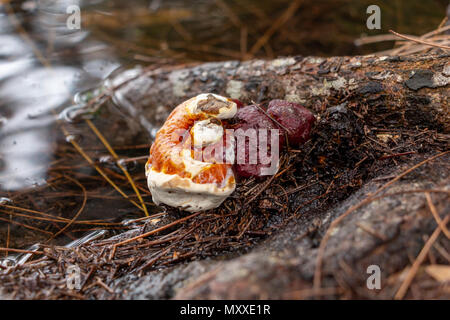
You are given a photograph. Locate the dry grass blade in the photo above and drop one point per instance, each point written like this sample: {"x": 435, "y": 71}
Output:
{"x": 428, "y": 43}
{"x": 32, "y": 211}
{"x": 99, "y": 170}
{"x": 61, "y": 219}
{"x": 374, "y": 39}
{"x": 21, "y": 251}
{"x": 411, "y": 44}
{"x": 436, "y": 216}
{"x": 116, "y": 157}
{"x": 8, "y": 237}
{"x": 157, "y": 230}
{"x": 26, "y": 226}
{"x": 420, "y": 258}
{"x": 75, "y": 217}
{"x": 270, "y": 117}
{"x": 275, "y": 26}
{"x": 392, "y": 37}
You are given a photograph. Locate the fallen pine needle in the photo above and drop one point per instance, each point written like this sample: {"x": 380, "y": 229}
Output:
{"x": 420, "y": 258}
{"x": 420, "y": 41}
{"x": 436, "y": 216}
{"x": 99, "y": 170}
{"x": 116, "y": 157}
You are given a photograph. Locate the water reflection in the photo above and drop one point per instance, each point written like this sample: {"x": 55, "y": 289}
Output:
{"x": 15, "y": 54}
{"x": 36, "y": 81}
{"x": 25, "y": 140}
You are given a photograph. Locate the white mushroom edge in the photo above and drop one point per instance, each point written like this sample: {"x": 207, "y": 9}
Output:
{"x": 183, "y": 193}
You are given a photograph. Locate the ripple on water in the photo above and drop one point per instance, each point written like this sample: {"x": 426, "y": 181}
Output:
{"x": 27, "y": 100}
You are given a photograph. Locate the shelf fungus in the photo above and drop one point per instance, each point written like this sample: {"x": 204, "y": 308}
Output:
{"x": 190, "y": 163}
{"x": 208, "y": 139}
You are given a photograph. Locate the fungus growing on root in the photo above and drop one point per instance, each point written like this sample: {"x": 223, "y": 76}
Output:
{"x": 197, "y": 152}
{"x": 176, "y": 175}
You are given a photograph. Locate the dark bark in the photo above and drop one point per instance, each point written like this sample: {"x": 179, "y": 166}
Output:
{"x": 388, "y": 91}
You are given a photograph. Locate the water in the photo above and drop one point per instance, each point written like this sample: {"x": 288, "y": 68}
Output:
{"x": 33, "y": 85}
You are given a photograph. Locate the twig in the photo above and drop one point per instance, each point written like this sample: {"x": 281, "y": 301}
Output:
{"x": 420, "y": 41}
{"x": 152, "y": 232}
{"x": 436, "y": 215}
{"x": 83, "y": 204}
{"x": 229, "y": 12}
{"x": 261, "y": 189}
{"x": 116, "y": 157}
{"x": 21, "y": 251}
{"x": 8, "y": 235}
{"x": 396, "y": 155}
{"x": 275, "y": 26}
{"x": 99, "y": 170}
{"x": 26, "y": 226}
{"x": 63, "y": 220}
{"x": 420, "y": 258}
{"x": 245, "y": 228}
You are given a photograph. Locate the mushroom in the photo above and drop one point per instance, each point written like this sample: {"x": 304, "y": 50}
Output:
{"x": 176, "y": 175}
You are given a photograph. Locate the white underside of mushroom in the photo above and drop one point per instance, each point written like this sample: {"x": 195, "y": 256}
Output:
{"x": 184, "y": 194}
